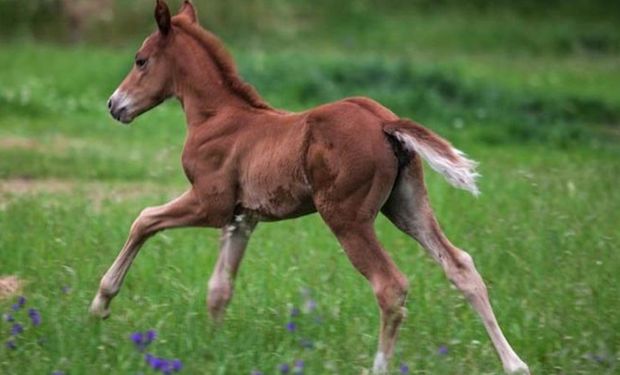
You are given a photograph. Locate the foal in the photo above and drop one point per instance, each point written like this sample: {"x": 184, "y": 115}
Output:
{"x": 248, "y": 162}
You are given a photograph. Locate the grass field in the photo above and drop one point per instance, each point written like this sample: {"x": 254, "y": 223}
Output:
{"x": 544, "y": 126}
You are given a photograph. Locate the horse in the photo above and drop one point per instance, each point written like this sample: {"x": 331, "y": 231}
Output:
{"x": 247, "y": 162}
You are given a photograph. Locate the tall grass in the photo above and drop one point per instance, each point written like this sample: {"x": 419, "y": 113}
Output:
{"x": 543, "y": 233}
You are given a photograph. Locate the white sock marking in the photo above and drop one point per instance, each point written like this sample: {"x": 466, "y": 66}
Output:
{"x": 380, "y": 366}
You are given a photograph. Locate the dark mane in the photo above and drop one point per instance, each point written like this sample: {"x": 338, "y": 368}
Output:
{"x": 223, "y": 61}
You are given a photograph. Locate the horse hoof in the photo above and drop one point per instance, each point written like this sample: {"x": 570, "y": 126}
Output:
{"x": 518, "y": 369}
{"x": 216, "y": 314}
{"x": 99, "y": 307}
{"x": 380, "y": 366}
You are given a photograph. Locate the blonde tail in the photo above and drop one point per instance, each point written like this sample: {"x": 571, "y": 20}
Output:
{"x": 453, "y": 164}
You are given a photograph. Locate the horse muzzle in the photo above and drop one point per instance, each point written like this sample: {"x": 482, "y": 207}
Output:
{"x": 120, "y": 107}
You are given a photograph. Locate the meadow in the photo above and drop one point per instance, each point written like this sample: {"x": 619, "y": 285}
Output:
{"x": 537, "y": 106}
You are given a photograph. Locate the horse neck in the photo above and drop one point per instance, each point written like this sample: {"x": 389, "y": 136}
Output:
{"x": 201, "y": 87}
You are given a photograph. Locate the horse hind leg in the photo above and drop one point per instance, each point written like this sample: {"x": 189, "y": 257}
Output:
{"x": 388, "y": 283}
{"x": 349, "y": 201}
{"x": 359, "y": 241}
{"x": 409, "y": 209}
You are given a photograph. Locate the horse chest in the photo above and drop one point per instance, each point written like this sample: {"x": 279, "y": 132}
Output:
{"x": 198, "y": 164}
{"x": 212, "y": 178}
{"x": 189, "y": 166}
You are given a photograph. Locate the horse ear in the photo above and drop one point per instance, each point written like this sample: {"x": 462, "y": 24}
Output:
{"x": 188, "y": 10}
{"x": 162, "y": 16}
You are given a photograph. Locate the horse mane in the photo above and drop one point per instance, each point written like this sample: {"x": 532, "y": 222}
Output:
{"x": 223, "y": 62}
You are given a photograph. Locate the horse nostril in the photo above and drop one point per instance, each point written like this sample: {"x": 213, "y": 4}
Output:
{"x": 109, "y": 103}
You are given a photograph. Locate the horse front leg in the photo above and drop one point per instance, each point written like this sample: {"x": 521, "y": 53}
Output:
{"x": 181, "y": 212}
{"x": 233, "y": 243}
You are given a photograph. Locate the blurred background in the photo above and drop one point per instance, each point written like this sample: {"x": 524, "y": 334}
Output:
{"x": 568, "y": 26}
{"x": 464, "y": 62}
{"x": 528, "y": 88}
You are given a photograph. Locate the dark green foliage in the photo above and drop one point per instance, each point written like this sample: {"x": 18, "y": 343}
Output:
{"x": 576, "y": 26}
{"x": 438, "y": 95}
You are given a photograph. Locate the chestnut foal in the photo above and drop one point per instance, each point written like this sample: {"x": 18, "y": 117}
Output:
{"x": 248, "y": 162}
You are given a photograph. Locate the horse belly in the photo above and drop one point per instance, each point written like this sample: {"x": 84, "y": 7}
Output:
{"x": 277, "y": 202}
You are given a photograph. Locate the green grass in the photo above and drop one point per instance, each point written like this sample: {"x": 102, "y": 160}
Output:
{"x": 544, "y": 233}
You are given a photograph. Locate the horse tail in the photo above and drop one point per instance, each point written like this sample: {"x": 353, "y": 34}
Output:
{"x": 453, "y": 164}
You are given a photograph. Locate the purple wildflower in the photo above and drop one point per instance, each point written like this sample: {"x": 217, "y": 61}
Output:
{"x": 35, "y": 317}
{"x": 155, "y": 362}
{"x": 299, "y": 367}
{"x": 295, "y": 312}
{"x": 65, "y": 289}
{"x": 142, "y": 340}
{"x": 16, "y": 329}
{"x": 284, "y": 368}
{"x": 158, "y": 363}
{"x": 291, "y": 326}
{"x": 442, "y": 350}
{"x": 10, "y": 344}
{"x": 136, "y": 337}
{"x": 404, "y": 369}
{"x": 310, "y": 305}
{"x": 21, "y": 301}
{"x": 9, "y": 318}
{"x": 149, "y": 337}
{"x": 177, "y": 365}
{"x": 166, "y": 367}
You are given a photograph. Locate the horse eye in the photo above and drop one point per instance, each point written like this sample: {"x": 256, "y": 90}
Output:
{"x": 140, "y": 63}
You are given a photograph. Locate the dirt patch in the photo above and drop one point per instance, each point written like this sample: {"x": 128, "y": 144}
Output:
{"x": 21, "y": 186}
{"x": 9, "y": 286}
{"x": 18, "y": 142}
{"x": 97, "y": 192}
{"x": 55, "y": 143}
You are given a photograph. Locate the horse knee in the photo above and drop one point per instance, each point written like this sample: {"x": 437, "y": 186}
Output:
{"x": 391, "y": 294}
{"x": 144, "y": 225}
{"x": 402, "y": 288}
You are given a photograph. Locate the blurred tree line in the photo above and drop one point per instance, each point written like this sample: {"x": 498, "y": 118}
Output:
{"x": 114, "y": 21}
